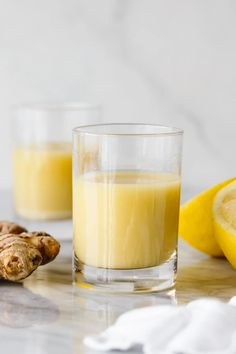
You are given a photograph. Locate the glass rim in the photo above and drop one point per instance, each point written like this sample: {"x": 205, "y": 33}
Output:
{"x": 170, "y": 131}
{"x": 55, "y": 106}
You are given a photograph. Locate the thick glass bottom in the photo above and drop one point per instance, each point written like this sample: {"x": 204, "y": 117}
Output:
{"x": 43, "y": 215}
{"x": 153, "y": 279}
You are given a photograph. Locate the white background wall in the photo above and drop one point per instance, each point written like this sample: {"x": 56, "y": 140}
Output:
{"x": 169, "y": 62}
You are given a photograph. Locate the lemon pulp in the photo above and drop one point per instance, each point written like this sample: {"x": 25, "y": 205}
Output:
{"x": 196, "y": 224}
{"x": 224, "y": 221}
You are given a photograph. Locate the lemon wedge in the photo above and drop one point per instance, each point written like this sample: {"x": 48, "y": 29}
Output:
{"x": 196, "y": 221}
{"x": 224, "y": 216}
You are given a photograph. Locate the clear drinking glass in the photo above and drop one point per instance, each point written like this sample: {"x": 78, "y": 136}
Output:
{"x": 42, "y": 157}
{"x": 126, "y": 196}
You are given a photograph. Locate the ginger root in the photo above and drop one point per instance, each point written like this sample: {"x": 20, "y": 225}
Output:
{"x": 8, "y": 227}
{"x": 21, "y": 252}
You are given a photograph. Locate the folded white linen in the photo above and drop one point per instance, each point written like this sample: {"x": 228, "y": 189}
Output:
{"x": 206, "y": 326}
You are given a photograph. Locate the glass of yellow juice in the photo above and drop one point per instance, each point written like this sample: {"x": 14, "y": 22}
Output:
{"x": 42, "y": 157}
{"x": 126, "y": 206}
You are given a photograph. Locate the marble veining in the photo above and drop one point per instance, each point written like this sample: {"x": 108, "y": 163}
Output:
{"x": 46, "y": 314}
{"x": 146, "y": 61}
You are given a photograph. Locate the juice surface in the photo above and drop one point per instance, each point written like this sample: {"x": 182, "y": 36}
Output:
{"x": 125, "y": 220}
{"x": 43, "y": 180}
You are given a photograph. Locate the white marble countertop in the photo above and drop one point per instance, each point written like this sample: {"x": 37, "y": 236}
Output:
{"x": 47, "y": 314}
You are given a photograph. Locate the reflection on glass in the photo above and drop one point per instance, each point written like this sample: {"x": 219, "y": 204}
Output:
{"x": 126, "y": 207}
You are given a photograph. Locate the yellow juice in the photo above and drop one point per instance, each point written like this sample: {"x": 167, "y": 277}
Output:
{"x": 125, "y": 220}
{"x": 43, "y": 180}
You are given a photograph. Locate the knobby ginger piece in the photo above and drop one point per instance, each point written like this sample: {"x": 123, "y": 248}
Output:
{"x": 18, "y": 259}
{"x": 8, "y": 227}
{"x": 45, "y": 243}
{"x": 21, "y": 254}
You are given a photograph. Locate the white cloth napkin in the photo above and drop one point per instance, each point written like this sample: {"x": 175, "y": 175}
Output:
{"x": 202, "y": 326}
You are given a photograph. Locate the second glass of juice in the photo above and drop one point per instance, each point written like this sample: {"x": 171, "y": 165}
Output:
{"x": 42, "y": 157}
{"x": 126, "y": 207}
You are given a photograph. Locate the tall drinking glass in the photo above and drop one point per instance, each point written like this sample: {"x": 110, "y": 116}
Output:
{"x": 42, "y": 157}
{"x": 126, "y": 206}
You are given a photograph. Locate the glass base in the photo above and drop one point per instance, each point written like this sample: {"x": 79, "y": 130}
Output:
{"x": 43, "y": 215}
{"x": 153, "y": 279}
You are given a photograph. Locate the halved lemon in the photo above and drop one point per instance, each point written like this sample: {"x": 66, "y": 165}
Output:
{"x": 224, "y": 215}
{"x": 196, "y": 221}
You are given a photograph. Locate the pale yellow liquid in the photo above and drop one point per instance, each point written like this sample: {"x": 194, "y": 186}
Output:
{"x": 43, "y": 181}
{"x": 125, "y": 220}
